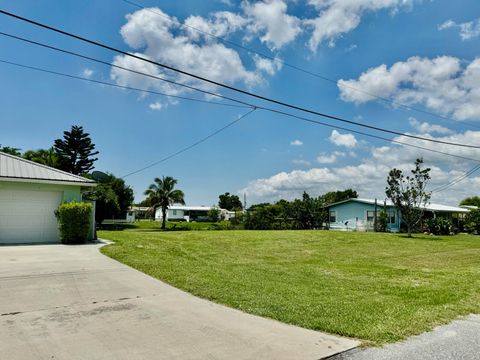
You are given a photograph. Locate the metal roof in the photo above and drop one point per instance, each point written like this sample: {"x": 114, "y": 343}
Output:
{"x": 429, "y": 207}
{"x": 14, "y": 168}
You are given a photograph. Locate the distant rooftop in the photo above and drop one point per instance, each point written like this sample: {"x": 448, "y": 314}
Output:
{"x": 429, "y": 207}
{"x": 14, "y": 168}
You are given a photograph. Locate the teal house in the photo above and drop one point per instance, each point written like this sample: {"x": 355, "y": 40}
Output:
{"x": 359, "y": 214}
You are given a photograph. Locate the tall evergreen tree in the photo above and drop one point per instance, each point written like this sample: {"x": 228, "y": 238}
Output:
{"x": 76, "y": 151}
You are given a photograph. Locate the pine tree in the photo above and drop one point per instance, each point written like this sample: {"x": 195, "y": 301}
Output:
{"x": 76, "y": 151}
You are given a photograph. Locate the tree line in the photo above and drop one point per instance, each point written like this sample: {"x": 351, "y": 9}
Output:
{"x": 75, "y": 153}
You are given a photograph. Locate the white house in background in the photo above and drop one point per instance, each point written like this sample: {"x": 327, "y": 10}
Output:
{"x": 192, "y": 213}
{"x": 29, "y": 195}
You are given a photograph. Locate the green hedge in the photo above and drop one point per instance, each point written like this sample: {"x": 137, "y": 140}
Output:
{"x": 74, "y": 222}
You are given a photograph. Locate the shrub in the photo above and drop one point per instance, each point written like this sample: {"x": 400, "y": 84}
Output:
{"x": 382, "y": 221}
{"x": 213, "y": 215}
{"x": 439, "y": 226}
{"x": 472, "y": 221}
{"x": 74, "y": 222}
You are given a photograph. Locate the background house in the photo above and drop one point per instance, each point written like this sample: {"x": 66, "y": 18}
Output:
{"x": 192, "y": 213}
{"x": 29, "y": 195}
{"x": 359, "y": 214}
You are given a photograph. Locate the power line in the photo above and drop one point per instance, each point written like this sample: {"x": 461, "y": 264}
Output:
{"x": 456, "y": 180}
{"x": 295, "y": 67}
{"x": 232, "y": 88}
{"x": 190, "y": 146}
{"x": 118, "y": 86}
{"x": 37, "y": 43}
{"x": 367, "y": 134}
{"x": 241, "y": 102}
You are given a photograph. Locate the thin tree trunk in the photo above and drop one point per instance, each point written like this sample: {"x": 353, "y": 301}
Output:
{"x": 164, "y": 217}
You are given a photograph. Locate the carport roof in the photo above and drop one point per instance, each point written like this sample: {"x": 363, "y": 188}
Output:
{"x": 14, "y": 168}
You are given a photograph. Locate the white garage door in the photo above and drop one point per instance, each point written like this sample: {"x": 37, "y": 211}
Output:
{"x": 28, "y": 216}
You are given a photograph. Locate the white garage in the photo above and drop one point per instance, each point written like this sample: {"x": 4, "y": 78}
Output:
{"x": 29, "y": 195}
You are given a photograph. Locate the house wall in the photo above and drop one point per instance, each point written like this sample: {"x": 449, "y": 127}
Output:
{"x": 356, "y": 214}
{"x": 70, "y": 193}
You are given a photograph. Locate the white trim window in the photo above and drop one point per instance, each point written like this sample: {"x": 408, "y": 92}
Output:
{"x": 332, "y": 216}
{"x": 392, "y": 216}
{"x": 370, "y": 215}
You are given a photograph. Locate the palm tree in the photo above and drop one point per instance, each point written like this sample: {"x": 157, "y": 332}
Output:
{"x": 162, "y": 194}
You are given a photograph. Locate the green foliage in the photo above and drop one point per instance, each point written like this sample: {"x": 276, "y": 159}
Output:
{"x": 106, "y": 202}
{"x": 472, "y": 221}
{"x": 162, "y": 193}
{"x": 75, "y": 151}
{"x": 337, "y": 196}
{"x": 213, "y": 215}
{"x": 229, "y": 202}
{"x": 112, "y": 198}
{"x": 299, "y": 214}
{"x": 408, "y": 193}
{"x": 48, "y": 157}
{"x": 472, "y": 201}
{"x": 10, "y": 150}
{"x": 74, "y": 222}
{"x": 382, "y": 221}
{"x": 377, "y": 287}
{"x": 439, "y": 226}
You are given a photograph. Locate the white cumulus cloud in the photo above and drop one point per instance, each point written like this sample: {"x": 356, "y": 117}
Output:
{"x": 347, "y": 140}
{"x": 270, "y": 19}
{"x": 337, "y": 17}
{"x": 88, "y": 73}
{"x": 296, "y": 142}
{"x": 442, "y": 84}
{"x": 467, "y": 30}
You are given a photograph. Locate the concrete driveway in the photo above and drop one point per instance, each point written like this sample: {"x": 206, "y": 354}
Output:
{"x": 71, "y": 302}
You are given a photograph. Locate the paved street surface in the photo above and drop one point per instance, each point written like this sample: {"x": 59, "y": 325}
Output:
{"x": 71, "y": 302}
{"x": 459, "y": 340}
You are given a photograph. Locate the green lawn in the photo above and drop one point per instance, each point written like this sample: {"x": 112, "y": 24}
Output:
{"x": 376, "y": 287}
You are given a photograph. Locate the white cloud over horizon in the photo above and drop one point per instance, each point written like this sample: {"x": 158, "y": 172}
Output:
{"x": 369, "y": 175}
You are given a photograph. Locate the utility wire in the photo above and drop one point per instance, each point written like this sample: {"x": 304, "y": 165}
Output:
{"x": 456, "y": 180}
{"x": 190, "y": 146}
{"x": 122, "y": 68}
{"x": 245, "y": 103}
{"x": 232, "y": 88}
{"x": 295, "y": 67}
{"x": 118, "y": 86}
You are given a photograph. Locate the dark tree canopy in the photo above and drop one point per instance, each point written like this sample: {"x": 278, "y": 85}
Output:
{"x": 113, "y": 198}
{"x": 230, "y": 202}
{"x": 48, "y": 157}
{"x": 305, "y": 213}
{"x": 10, "y": 150}
{"x": 336, "y": 196}
{"x": 162, "y": 194}
{"x": 408, "y": 193}
{"x": 472, "y": 201}
{"x": 76, "y": 151}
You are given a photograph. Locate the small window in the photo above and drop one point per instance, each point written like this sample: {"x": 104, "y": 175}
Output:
{"x": 391, "y": 217}
{"x": 174, "y": 212}
{"x": 333, "y": 216}
{"x": 370, "y": 215}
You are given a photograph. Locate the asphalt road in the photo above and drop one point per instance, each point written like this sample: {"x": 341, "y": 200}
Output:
{"x": 459, "y": 340}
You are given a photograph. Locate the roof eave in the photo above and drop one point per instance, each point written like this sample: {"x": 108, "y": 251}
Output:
{"x": 47, "y": 181}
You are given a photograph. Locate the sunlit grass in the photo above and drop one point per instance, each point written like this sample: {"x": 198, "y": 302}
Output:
{"x": 376, "y": 287}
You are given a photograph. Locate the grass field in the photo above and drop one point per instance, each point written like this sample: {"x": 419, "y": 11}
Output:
{"x": 376, "y": 287}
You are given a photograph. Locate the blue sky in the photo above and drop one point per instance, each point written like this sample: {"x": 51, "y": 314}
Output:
{"x": 421, "y": 53}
